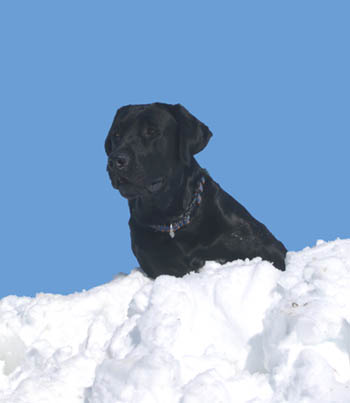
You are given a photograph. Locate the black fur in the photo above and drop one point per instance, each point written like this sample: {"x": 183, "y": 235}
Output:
{"x": 150, "y": 152}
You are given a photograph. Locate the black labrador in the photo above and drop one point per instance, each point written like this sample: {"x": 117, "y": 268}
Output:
{"x": 180, "y": 217}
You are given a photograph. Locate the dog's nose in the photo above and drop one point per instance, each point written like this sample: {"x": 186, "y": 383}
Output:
{"x": 120, "y": 161}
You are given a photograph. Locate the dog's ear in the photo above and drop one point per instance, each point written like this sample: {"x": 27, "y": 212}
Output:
{"x": 193, "y": 134}
{"x": 120, "y": 113}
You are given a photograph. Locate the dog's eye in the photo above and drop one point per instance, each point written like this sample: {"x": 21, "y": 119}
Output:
{"x": 151, "y": 132}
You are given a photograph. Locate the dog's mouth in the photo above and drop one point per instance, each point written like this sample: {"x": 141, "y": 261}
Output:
{"x": 131, "y": 190}
{"x": 125, "y": 187}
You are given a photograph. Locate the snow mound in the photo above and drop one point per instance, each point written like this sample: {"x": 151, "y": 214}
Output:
{"x": 242, "y": 332}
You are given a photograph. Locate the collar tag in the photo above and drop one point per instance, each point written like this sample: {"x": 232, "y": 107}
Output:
{"x": 171, "y": 232}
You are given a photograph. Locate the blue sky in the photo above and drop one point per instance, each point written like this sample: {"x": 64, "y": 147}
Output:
{"x": 271, "y": 80}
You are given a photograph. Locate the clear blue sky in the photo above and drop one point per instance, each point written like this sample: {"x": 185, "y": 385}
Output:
{"x": 270, "y": 78}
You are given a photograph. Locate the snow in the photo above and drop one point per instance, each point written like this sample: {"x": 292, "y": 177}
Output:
{"x": 242, "y": 332}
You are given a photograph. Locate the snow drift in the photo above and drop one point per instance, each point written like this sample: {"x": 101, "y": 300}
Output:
{"x": 242, "y": 332}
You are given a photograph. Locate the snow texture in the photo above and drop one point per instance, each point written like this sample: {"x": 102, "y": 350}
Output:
{"x": 242, "y": 332}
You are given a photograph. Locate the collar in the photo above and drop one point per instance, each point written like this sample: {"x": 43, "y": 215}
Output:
{"x": 187, "y": 216}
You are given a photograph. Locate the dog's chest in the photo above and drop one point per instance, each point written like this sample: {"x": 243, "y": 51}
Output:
{"x": 159, "y": 253}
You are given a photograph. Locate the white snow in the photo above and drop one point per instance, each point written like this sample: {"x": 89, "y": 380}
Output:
{"x": 242, "y": 332}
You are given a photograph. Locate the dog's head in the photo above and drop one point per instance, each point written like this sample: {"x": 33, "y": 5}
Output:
{"x": 148, "y": 144}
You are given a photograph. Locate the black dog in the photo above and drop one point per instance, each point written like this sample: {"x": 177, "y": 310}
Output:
{"x": 180, "y": 217}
